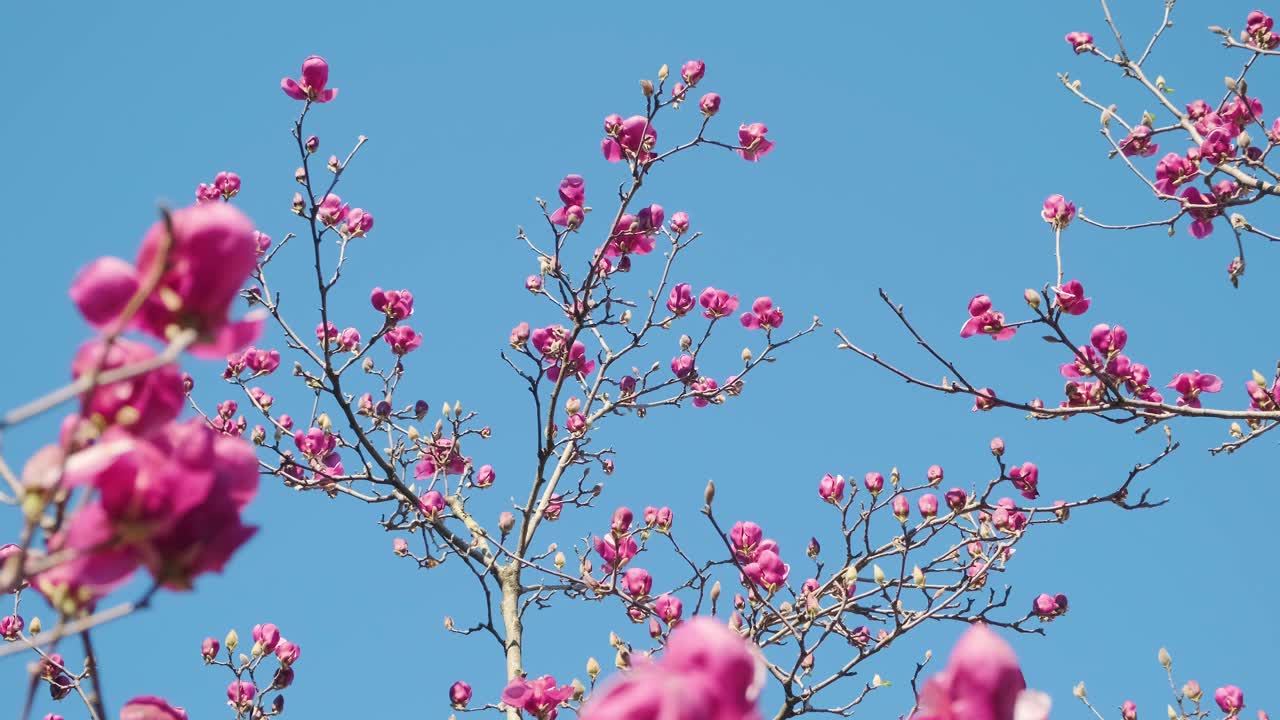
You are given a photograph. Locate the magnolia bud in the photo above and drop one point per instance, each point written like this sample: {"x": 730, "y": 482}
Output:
{"x": 448, "y": 623}
{"x": 1165, "y": 660}
{"x": 686, "y": 342}
{"x": 593, "y": 668}
{"x": 746, "y": 356}
{"x": 298, "y": 204}
{"x": 457, "y": 408}
{"x": 333, "y": 164}
{"x": 300, "y": 175}
{"x": 367, "y": 365}
{"x": 1032, "y": 297}
{"x": 323, "y": 422}
{"x": 646, "y": 87}
{"x": 445, "y": 409}
{"x": 35, "y": 626}
{"x": 506, "y": 521}
{"x": 710, "y": 493}
{"x": 1244, "y": 140}
{"x": 232, "y": 640}
{"x": 579, "y": 690}
{"x": 894, "y": 476}
{"x": 559, "y": 561}
{"x": 715, "y": 592}
{"x": 879, "y": 575}
{"x": 1079, "y": 690}
{"x": 413, "y": 433}
{"x": 244, "y": 659}
{"x": 917, "y": 576}
{"x": 622, "y": 660}
{"x": 1173, "y": 714}
{"x": 625, "y": 318}
{"x": 572, "y": 406}
{"x": 663, "y": 72}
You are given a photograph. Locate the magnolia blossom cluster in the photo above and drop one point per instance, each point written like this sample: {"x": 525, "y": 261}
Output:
{"x": 159, "y": 494}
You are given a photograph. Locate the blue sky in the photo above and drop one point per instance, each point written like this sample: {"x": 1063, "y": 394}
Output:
{"x": 914, "y": 149}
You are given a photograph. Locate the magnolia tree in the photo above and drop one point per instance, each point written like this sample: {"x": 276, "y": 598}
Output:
{"x": 615, "y": 330}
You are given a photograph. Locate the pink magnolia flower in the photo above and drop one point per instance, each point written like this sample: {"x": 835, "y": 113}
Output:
{"x": 226, "y": 185}
{"x": 982, "y": 319}
{"x": 209, "y": 649}
{"x": 240, "y": 694}
{"x": 616, "y": 551}
{"x": 211, "y": 254}
{"x": 402, "y": 339}
{"x": 459, "y": 695}
{"x": 1047, "y": 607}
{"x": 704, "y": 391}
{"x": 692, "y": 72}
{"x": 934, "y": 475}
{"x": 1190, "y": 385}
{"x": 681, "y": 301}
{"x": 669, "y": 608}
{"x": 874, "y": 482}
{"x": 984, "y": 400}
{"x": 901, "y": 508}
{"x": 1174, "y": 170}
{"x": 149, "y": 707}
{"x": 634, "y": 137}
{"x": 928, "y": 504}
{"x": 1241, "y": 112}
{"x": 267, "y": 635}
{"x": 956, "y": 499}
{"x": 682, "y": 366}
{"x": 709, "y": 105}
{"x": 831, "y": 488}
{"x": 1217, "y": 146}
{"x": 1108, "y": 340}
{"x": 635, "y": 234}
{"x": 261, "y": 362}
{"x": 1026, "y": 477}
{"x": 1058, "y": 212}
{"x": 485, "y": 476}
{"x": 679, "y": 222}
{"x": 11, "y": 627}
{"x": 1260, "y": 397}
{"x": 287, "y": 653}
{"x": 540, "y": 698}
{"x": 359, "y": 223}
{"x": 1258, "y": 31}
{"x": 753, "y": 141}
{"x": 767, "y": 569}
{"x": 763, "y": 315}
{"x": 663, "y": 519}
{"x": 431, "y": 504}
{"x": 708, "y": 672}
{"x": 573, "y": 195}
{"x": 717, "y": 303}
{"x": 637, "y": 582}
{"x": 745, "y": 536}
{"x": 139, "y": 404}
{"x": 311, "y": 86}
{"x": 332, "y": 211}
{"x": 982, "y": 681}
{"x": 397, "y": 305}
{"x": 1138, "y": 142}
{"x": 1070, "y": 298}
{"x": 1229, "y": 698}
{"x": 551, "y": 342}
{"x": 1204, "y": 207}
{"x": 349, "y": 339}
{"x": 1081, "y": 42}
{"x": 171, "y": 501}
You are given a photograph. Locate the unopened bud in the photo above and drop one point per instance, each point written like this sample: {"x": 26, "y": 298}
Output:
{"x": 333, "y": 164}
{"x": 917, "y": 576}
{"x": 298, "y": 204}
{"x": 686, "y": 342}
{"x": 413, "y": 433}
{"x": 894, "y": 477}
{"x": 715, "y": 592}
{"x": 579, "y": 690}
{"x": 1173, "y": 714}
{"x": 879, "y": 575}
{"x": 1244, "y": 139}
{"x": 559, "y": 561}
{"x": 710, "y": 493}
{"x": 232, "y": 640}
{"x": 323, "y": 422}
{"x": 35, "y": 626}
{"x": 445, "y": 409}
{"x": 367, "y": 365}
{"x": 448, "y": 623}
{"x": 1166, "y": 661}
{"x": 625, "y": 318}
{"x": 663, "y": 72}
{"x": 1079, "y": 690}
{"x": 1032, "y": 297}
{"x": 646, "y": 87}
{"x": 593, "y": 668}
{"x": 622, "y": 660}
{"x": 572, "y": 406}
{"x": 746, "y": 356}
